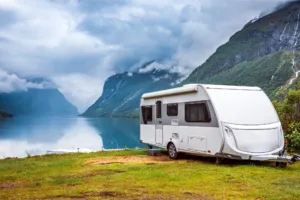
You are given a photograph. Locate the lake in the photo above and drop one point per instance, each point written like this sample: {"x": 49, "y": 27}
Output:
{"x": 22, "y": 136}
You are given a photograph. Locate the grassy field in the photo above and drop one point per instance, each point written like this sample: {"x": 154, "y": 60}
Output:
{"x": 131, "y": 174}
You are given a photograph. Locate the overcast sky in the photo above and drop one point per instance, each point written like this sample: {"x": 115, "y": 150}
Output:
{"x": 77, "y": 44}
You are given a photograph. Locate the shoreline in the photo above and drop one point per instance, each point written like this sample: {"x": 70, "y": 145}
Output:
{"x": 69, "y": 151}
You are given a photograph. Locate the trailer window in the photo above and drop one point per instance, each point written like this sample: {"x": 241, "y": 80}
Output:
{"x": 158, "y": 109}
{"x": 196, "y": 112}
{"x": 147, "y": 114}
{"x": 172, "y": 109}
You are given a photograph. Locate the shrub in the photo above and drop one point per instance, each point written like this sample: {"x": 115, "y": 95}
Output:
{"x": 294, "y": 137}
{"x": 289, "y": 114}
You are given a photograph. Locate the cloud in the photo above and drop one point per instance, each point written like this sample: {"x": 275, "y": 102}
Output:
{"x": 152, "y": 66}
{"x": 84, "y": 42}
{"x": 12, "y": 83}
{"x": 80, "y": 89}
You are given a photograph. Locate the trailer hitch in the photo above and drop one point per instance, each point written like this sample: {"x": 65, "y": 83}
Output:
{"x": 292, "y": 159}
{"x": 295, "y": 158}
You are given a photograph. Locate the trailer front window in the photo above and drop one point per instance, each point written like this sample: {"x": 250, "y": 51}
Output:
{"x": 196, "y": 112}
{"x": 147, "y": 114}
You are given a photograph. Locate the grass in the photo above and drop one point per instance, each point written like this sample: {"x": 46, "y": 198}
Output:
{"x": 131, "y": 174}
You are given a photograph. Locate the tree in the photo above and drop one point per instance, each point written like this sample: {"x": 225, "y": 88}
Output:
{"x": 289, "y": 114}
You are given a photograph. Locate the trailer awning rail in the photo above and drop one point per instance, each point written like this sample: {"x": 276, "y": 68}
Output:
{"x": 171, "y": 92}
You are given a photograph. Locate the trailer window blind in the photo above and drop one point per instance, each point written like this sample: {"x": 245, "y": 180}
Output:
{"x": 147, "y": 114}
{"x": 172, "y": 109}
{"x": 158, "y": 109}
{"x": 196, "y": 112}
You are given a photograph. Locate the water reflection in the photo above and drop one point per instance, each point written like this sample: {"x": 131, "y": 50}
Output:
{"x": 35, "y": 136}
{"x": 117, "y": 133}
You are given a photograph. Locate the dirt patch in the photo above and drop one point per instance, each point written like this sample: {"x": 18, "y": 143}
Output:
{"x": 149, "y": 160}
{"x": 107, "y": 163}
{"x": 109, "y": 194}
{"x": 90, "y": 174}
{"x": 103, "y": 194}
{"x": 177, "y": 197}
{"x": 101, "y": 172}
{"x": 188, "y": 193}
{"x": 7, "y": 186}
{"x": 144, "y": 196}
{"x": 138, "y": 192}
{"x": 88, "y": 195}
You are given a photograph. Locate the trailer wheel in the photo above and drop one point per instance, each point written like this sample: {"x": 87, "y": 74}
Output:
{"x": 219, "y": 161}
{"x": 172, "y": 151}
{"x": 281, "y": 164}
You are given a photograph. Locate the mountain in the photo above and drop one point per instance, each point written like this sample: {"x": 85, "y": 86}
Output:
{"x": 37, "y": 102}
{"x": 264, "y": 53}
{"x": 122, "y": 92}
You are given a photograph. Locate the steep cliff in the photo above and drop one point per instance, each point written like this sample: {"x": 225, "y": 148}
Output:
{"x": 264, "y": 53}
{"x": 122, "y": 92}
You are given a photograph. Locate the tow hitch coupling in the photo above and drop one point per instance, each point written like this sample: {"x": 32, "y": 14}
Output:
{"x": 295, "y": 158}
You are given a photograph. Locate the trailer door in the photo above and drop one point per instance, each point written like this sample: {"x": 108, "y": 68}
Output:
{"x": 158, "y": 122}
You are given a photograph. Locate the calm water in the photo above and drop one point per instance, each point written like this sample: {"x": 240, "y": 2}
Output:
{"x": 36, "y": 136}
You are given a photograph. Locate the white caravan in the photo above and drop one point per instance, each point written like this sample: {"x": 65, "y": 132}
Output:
{"x": 214, "y": 120}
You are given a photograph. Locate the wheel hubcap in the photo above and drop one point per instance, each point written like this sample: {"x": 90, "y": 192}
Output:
{"x": 172, "y": 150}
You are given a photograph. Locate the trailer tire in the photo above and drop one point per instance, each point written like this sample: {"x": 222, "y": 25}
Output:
{"x": 219, "y": 161}
{"x": 173, "y": 154}
{"x": 281, "y": 164}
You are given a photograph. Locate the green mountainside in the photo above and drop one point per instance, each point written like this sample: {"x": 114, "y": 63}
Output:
{"x": 269, "y": 72}
{"x": 264, "y": 53}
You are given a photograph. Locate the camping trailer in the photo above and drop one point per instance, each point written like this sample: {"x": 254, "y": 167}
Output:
{"x": 232, "y": 122}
